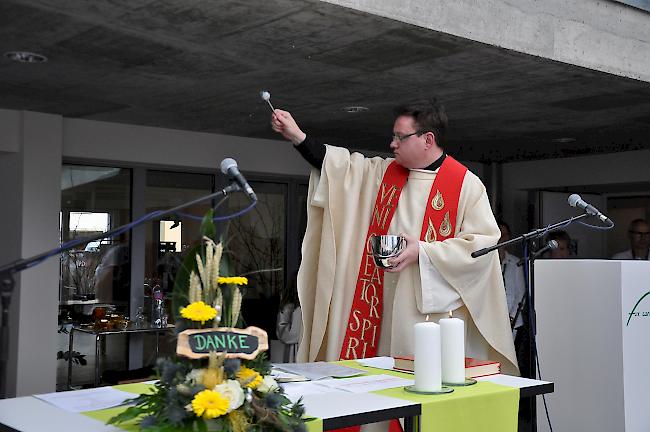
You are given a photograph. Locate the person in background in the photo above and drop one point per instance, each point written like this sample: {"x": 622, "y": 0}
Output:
{"x": 639, "y": 235}
{"x": 112, "y": 276}
{"x": 513, "y": 279}
{"x": 289, "y": 324}
{"x": 563, "y": 240}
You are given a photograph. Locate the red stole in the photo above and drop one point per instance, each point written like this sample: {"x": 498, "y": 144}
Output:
{"x": 364, "y": 324}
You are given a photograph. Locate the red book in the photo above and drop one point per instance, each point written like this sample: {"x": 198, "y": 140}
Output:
{"x": 473, "y": 367}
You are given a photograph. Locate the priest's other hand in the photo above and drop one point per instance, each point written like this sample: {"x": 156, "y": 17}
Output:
{"x": 408, "y": 256}
{"x": 283, "y": 122}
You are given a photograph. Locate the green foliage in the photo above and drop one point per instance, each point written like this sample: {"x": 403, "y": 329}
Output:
{"x": 208, "y": 228}
{"x": 261, "y": 364}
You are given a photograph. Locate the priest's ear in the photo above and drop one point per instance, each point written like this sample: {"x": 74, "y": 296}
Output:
{"x": 430, "y": 140}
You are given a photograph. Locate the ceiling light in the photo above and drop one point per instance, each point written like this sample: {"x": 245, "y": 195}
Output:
{"x": 354, "y": 109}
{"x": 563, "y": 140}
{"x": 25, "y": 57}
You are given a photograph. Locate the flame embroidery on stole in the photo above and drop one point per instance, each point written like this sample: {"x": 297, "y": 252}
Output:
{"x": 438, "y": 202}
{"x": 431, "y": 234}
{"x": 445, "y": 226}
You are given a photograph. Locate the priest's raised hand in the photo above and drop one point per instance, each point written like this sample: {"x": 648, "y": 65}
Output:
{"x": 283, "y": 122}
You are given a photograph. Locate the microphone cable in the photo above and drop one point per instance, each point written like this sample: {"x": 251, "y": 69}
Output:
{"x": 603, "y": 228}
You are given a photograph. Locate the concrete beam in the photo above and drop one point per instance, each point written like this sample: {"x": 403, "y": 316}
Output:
{"x": 600, "y": 35}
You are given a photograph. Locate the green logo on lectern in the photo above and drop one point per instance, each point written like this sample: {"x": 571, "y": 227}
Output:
{"x": 636, "y": 313}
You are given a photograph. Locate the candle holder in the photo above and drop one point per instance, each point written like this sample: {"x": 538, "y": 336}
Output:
{"x": 468, "y": 382}
{"x": 443, "y": 390}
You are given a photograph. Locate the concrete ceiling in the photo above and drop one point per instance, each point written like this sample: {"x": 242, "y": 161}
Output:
{"x": 200, "y": 64}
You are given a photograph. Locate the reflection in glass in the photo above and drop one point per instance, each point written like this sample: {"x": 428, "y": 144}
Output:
{"x": 167, "y": 240}
{"x": 95, "y": 200}
{"x": 256, "y": 245}
{"x": 95, "y": 276}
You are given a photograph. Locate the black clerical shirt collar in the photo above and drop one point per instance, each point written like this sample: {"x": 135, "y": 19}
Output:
{"x": 437, "y": 163}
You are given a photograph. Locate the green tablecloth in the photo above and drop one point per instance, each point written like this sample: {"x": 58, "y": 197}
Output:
{"x": 483, "y": 407}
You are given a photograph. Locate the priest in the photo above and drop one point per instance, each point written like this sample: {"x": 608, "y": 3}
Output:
{"x": 353, "y": 309}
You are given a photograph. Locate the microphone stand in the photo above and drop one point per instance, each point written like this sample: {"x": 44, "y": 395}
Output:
{"x": 529, "y": 239}
{"x": 7, "y": 271}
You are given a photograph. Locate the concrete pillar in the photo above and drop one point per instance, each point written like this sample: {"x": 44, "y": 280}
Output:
{"x": 30, "y": 181}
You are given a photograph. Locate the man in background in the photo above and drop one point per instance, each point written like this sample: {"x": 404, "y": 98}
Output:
{"x": 639, "y": 236}
{"x": 513, "y": 279}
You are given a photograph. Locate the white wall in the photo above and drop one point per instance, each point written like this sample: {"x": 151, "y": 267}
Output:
{"x": 601, "y": 35}
{"x": 131, "y": 144}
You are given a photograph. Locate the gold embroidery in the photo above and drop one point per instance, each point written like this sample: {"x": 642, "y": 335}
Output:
{"x": 445, "y": 226}
{"x": 438, "y": 202}
{"x": 431, "y": 235}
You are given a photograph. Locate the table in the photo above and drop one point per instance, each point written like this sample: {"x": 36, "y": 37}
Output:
{"x": 348, "y": 411}
{"x": 99, "y": 334}
{"x": 353, "y": 409}
{"x": 335, "y": 412}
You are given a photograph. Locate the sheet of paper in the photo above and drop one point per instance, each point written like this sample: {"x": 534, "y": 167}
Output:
{"x": 285, "y": 377}
{"x": 511, "y": 381}
{"x": 86, "y": 400}
{"x": 365, "y": 384}
{"x": 318, "y": 370}
{"x": 295, "y": 391}
{"x": 387, "y": 363}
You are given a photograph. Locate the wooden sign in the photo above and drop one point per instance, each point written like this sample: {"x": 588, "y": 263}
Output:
{"x": 240, "y": 343}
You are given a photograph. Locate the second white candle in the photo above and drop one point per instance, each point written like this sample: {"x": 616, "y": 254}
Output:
{"x": 452, "y": 335}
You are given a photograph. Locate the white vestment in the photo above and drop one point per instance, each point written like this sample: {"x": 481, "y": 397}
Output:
{"x": 340, "y": 202}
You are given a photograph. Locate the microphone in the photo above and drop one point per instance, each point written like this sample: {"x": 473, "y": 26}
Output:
{"x": 576, "y": 200}
{"x": 552, "y": 244}
{"x": 229, "y": 167}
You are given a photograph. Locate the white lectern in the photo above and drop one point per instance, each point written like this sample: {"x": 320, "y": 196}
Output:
{"x": 593, "y": 341}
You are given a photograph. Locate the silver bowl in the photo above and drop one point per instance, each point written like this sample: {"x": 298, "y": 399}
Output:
{"x": 385, "y": 247}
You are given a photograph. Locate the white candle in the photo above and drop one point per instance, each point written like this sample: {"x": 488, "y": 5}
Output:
{"x": 452, "y": 336}
{"x": 427, "y": 357}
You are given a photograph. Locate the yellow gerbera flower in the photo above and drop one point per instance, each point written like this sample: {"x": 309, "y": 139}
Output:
{"x": 234, "y": 280}
{"x": 249, "y": 377}
{"x": 199, "y": 311}
{"x": 209, "y": 404}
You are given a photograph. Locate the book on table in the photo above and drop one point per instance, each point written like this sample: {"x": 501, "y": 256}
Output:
{"x": 473, "y": 367}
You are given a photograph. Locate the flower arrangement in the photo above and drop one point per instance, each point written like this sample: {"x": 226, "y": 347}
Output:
{"x": 221, "y": 391}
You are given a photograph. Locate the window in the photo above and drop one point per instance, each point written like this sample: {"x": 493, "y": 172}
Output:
{"x": 96, "y": 274}
{"x": 263, "y": 244}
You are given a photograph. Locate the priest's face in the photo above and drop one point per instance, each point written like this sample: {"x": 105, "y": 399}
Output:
{"x": 409, "y": 144}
